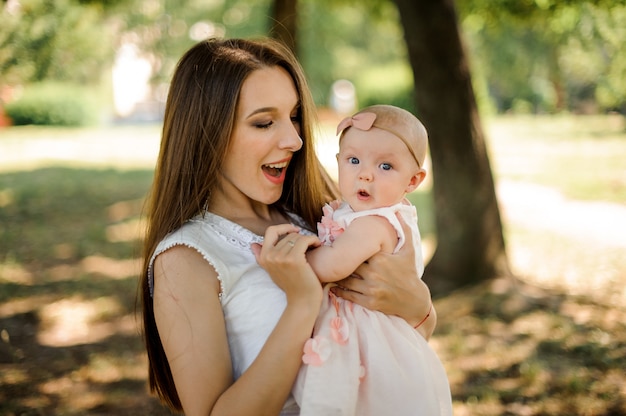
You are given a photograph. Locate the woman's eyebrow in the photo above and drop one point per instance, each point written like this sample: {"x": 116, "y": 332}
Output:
{"x": 262, "y": 110}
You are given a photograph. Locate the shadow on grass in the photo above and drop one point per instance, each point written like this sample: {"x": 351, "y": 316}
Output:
{"x": 69, "y": 244}
{"x": 513, "y": 349}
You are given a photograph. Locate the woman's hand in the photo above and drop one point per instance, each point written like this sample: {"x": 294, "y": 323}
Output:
{"x": 282, "y": 255}
{"x": 389, "y": 283}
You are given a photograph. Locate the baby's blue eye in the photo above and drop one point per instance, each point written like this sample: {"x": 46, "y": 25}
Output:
{"x": 385, "y": 166}
{"x": 353, "y": 160}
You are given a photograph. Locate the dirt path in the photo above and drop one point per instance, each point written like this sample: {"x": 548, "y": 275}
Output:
{"x": 576, "y": 246}
{"x": 536, "y": 206}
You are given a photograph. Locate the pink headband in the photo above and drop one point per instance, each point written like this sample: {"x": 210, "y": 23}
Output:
{"x": 365, "y": 121}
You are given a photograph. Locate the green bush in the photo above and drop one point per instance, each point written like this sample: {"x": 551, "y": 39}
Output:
{"x": 53, "y": 104}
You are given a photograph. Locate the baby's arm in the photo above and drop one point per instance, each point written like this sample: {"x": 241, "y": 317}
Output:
{"x": 364, "y": 237}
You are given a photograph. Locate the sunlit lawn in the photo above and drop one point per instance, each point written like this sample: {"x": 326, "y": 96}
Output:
{"x": 69, "y": 217}
{"x": 581, "y": 156}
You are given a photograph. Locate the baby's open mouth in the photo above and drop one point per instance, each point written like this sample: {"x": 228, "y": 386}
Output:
{"x": 274, "y": 169}
{"x": 363, "y": 194}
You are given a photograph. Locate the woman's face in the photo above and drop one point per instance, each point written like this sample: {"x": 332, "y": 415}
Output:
{"x": 265, "y": 136}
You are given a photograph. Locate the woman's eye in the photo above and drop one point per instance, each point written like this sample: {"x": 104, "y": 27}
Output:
{"x": 385, "y": 166}
{"x": 353, "y": 160}
{"x": 264, "y": 125}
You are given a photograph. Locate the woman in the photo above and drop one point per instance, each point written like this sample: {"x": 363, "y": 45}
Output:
{"x": 238, "y": 186}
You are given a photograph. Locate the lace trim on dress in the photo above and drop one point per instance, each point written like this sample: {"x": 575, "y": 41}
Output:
{"x": 230, "y": 231}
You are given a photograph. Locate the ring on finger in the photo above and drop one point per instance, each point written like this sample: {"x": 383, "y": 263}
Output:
{"x": 291, "y": 243}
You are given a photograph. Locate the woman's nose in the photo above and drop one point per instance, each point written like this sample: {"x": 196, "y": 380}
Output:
{"x": 291, "y": 140}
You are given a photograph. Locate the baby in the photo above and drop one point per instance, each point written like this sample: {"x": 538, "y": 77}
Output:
{"x": 361, "y": 361}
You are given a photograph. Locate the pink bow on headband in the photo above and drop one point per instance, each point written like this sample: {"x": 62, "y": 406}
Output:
{"x": 362, "y": 121}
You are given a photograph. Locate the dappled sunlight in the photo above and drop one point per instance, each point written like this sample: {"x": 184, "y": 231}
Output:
{"x": 71, "y": 394}
{"x": 123, "y": 210}
{"x": 112, "y": 268}
{"x": 535, "y": 324}
{"x": 84, "y": 388}
{"x": 101, "y": 266}
{"x": 18, "y": 306}
{"x": 82, "y": 397}
{"x": 127, "y": 225}
{"x": 15, "y": 273}
{"x": 6, "y": 197}
{"x": 499, "y": 345}
{"x": 596, "y": 273}
{"x": 494, "y": 352}
{"x": 75, "y": 321}
{"x": 101, "y": 369}
{"x": 13, "y": 375}
{"x": 127, "y": 231}
{"x": 69, "y": 333}
{"x": 37, "y": 402}
{"x": 109, "y": 369}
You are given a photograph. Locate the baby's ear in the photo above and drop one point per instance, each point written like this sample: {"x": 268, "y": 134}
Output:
{"x": 416, "y": 180}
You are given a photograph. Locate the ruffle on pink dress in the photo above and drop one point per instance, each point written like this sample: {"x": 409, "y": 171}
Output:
{"x": 365, "y": 363}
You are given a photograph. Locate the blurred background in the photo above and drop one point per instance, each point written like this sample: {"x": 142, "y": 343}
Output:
{"x": 82, "y": 91}
{"x": 115, "y": 57}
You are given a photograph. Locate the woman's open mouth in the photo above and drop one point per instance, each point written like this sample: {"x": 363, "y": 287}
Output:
{"x": 275, "y": 172}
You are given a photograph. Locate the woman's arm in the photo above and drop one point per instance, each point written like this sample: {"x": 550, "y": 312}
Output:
{"x": 192, "y": 329}
{"x": 389, "y": 283}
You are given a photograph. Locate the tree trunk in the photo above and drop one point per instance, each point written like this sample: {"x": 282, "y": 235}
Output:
{"x": 470, "y": 243}
{"x": 284, "y": 22}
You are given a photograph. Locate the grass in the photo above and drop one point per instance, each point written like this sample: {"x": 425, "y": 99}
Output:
{"x": 551, "y": 343}
{"x": 581, "y": 156}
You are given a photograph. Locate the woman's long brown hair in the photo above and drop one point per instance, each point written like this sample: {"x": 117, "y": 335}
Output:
{"x": 198, "y": 122}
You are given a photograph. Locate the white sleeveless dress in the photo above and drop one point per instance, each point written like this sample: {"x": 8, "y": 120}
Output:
{"x": 251, "y": 302}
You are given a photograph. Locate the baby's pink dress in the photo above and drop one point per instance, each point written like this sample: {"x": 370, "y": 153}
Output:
{"x": 363, "y": 362}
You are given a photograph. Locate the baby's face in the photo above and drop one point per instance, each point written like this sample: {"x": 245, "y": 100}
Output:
{"x": 375, "y": 169}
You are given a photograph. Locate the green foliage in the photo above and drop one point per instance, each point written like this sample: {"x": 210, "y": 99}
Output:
{"x": 548, "y": 55}
{"x": 164, "y": 30}
{"x": 527, "y": 55}
{"x": 356, "y": 40}
{"x": 53, "y": 104}
{"x": 390, "y": 84}
{"x": 53, "y": 40}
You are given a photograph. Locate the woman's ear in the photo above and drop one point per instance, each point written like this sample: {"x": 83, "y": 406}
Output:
{"x": 415, "y": 181}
